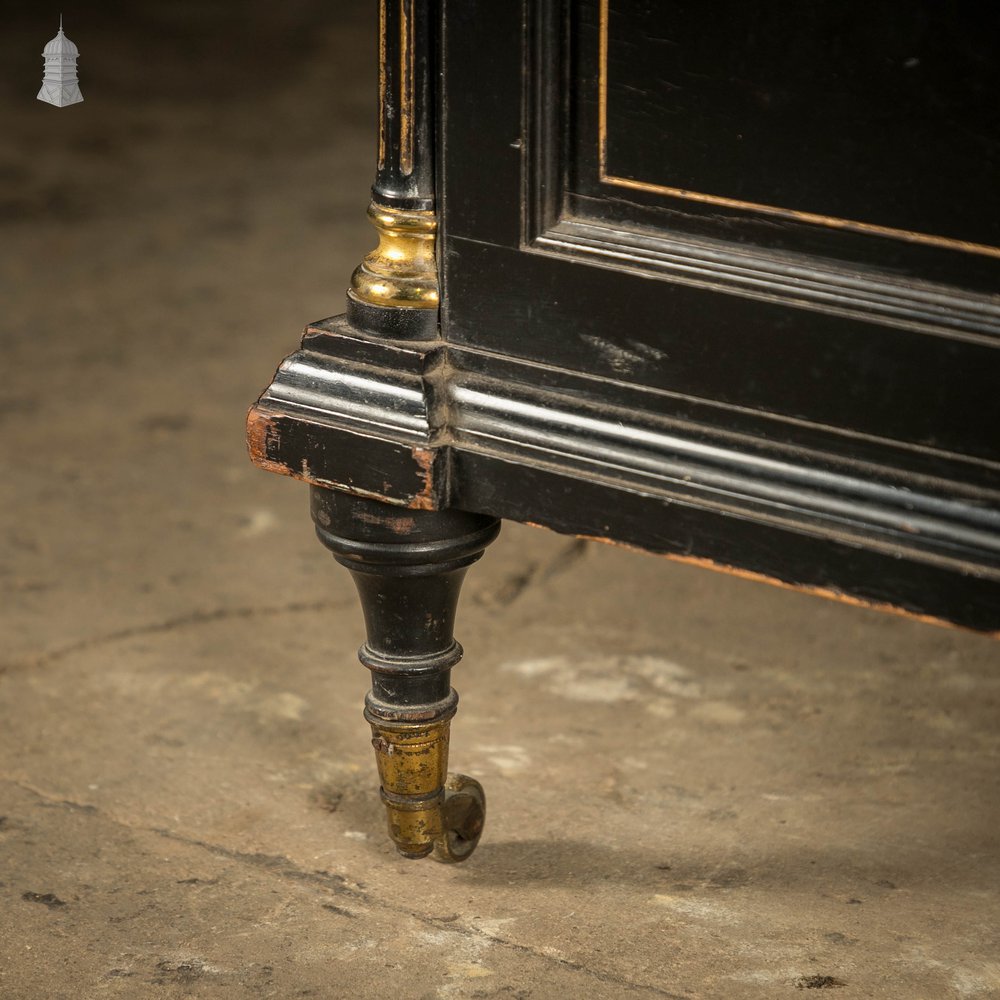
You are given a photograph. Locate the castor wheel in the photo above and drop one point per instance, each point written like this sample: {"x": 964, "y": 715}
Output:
{"x": 463, "y": 816}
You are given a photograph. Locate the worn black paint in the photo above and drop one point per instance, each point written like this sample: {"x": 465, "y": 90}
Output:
{"x": 828, "y": 344}
{"x": 860, "y": 109}
{"x": 872, "y": 142}
{"x": 861, "y": 375}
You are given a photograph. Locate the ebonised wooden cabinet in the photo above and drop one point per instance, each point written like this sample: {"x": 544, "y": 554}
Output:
{"x": 717, "y": 281}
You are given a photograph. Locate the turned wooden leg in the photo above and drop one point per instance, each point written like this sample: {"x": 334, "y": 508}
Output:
{"x": 408, "y": 566}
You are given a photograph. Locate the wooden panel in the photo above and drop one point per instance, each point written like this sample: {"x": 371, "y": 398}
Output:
{"x": 727, "y": 378}
{"x": 872, "y": 114}
{"x": 747, "y": 311}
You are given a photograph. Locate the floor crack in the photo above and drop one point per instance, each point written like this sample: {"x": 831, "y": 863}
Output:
{"x": 48, "y": 799}
{"x": 511, "y": 588}
{"x": 170, "y": 625}
{"x": 524, "y": 949}
{"x": 276, "y": 864}
{"x": 282, "y": 867}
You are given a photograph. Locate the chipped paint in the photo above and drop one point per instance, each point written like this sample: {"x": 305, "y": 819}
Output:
{"x": 397, "y": 524}
{"x": 619, "y": 358}
{"x": 425, "y": 498}
{"x": 263, "y": 436}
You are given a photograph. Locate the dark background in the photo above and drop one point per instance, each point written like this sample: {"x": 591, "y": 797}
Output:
{"x": 162, "y": 245}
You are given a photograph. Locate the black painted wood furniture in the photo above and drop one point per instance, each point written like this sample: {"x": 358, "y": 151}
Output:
{"x": 718, "y": 281}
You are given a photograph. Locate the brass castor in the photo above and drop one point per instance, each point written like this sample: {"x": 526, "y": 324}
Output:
{"x": 464, "y": 816}
{"x": 428, "y": 813}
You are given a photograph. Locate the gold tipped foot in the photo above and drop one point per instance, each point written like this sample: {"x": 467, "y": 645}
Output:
{"x": 429, "y": 812}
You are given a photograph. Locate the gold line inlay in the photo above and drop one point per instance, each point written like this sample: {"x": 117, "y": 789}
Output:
{"x": 602, "y": 94}
{"x": 381, "y": 84}
{"x": 813, "y": 218}
{"x": 406, "y": 56}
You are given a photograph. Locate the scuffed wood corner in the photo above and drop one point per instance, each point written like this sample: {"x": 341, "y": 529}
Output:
{"x": 263, "y": 438}
{"x": 405, "y": 475}
{"x": 425, "y": 498}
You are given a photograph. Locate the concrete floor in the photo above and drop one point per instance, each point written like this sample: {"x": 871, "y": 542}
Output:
{"x": 699, "y": 787}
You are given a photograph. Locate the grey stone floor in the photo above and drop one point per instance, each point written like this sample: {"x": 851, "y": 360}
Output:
{"x": 699, "y": 787}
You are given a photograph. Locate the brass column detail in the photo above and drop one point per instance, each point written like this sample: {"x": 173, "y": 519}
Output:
{"x": 401, "y": 271}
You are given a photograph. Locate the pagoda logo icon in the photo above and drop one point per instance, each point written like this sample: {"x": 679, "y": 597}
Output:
{"x": 59, "y": 85}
